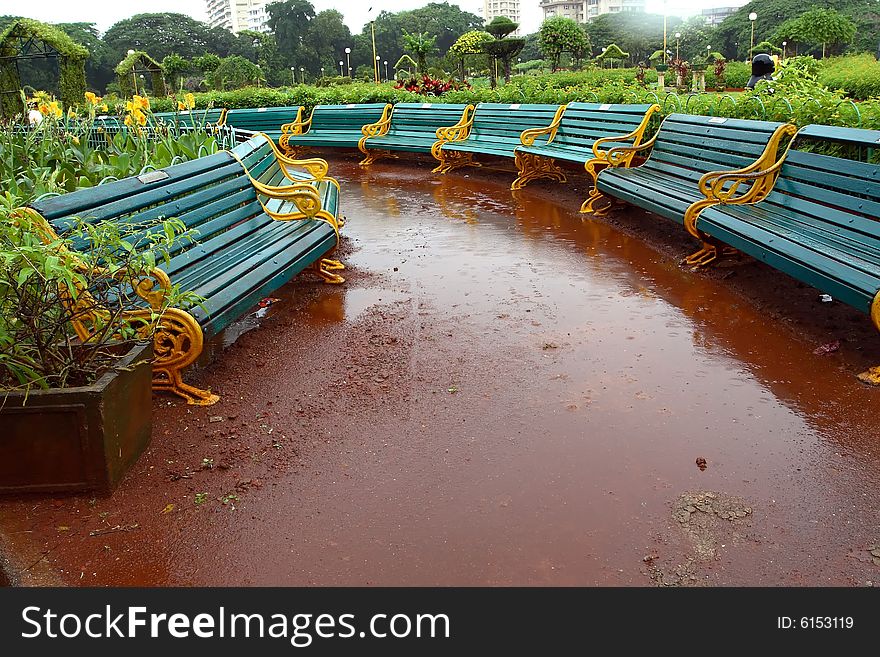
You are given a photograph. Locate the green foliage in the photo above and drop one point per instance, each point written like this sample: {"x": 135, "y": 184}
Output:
{"x": 778, "y": 21}
{"x": 826, "y": 26}
{"x": 71, "y": 62}
{"x": 421, "y": 45}
{"x": 765, "y": 47}
{"x": 500, "y": 27}
{"x": 167, "y": 33}
{"x": 470, "y": 43}
{"x": 558, "y": 35}
{"x": 132, "y": 66}
{"x": 234, "y": 72}
{"x": 611, "y": 53}
{"x": 45, "y": 288}
{"x": 857, "y": 76}
{"x": 174, "y": 66}
{"x": 62, "y": 155}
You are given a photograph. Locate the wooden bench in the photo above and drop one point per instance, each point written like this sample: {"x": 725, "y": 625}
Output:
{"x": 251, "y": 238}
{"x": 578, "y": 136}
{"x": 267, "y": 120}
{"x": 820, "y": 223}
{"x": 214, "y": 116}
{"x": 687, "y": 154}
{"x": 495, "y": 130}
{"x": 333, "y": 126}
{"x": 411, "y": 128}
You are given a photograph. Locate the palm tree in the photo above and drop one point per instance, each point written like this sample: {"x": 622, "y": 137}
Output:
{"x": 420, "y": 44}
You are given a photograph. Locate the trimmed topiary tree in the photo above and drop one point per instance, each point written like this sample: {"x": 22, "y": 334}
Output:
{"x": 503, "y": 47}
{"x": 468, "y": 44}
{"x": 26, "y": 37}
{"x": 611, "y": 53}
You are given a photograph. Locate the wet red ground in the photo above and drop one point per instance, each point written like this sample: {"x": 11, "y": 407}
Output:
{"x": 503, "y": 393}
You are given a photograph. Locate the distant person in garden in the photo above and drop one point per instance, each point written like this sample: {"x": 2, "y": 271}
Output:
{"x": 34, "y": 116}
{"x": 762, "y": 69}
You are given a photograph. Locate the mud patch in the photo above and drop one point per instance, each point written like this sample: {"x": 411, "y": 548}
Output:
{"x": 709, "y": 521}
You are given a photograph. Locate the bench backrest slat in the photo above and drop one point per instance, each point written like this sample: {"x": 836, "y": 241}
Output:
{"x": 261, "y": 119}
{"x": 423, "y": 119}
{"x": 345, "y": 118}
{"x": 584, "y": 123}
{"x": 503, "y": 122}
{"x": 689, "y": 146}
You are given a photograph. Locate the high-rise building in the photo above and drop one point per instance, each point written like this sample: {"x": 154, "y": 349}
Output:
{"x": 715, "y": 15}
{"x": 238, "y": 15}
{"x": 494, "y": 8}
{"x": 583, "y": 11}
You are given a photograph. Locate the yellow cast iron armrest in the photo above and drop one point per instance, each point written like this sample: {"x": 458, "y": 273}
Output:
{"x": 304, "y": 197}
{"x": 768, "y": 156}
{"x": 634, "y": 136}
{"x": 460, "y": 130}
{"x": 376, "y": 129}
{"x": 528, "y": 137}
{"x": 315, "y": 166}
{"x": 717, "y": 191}
{"x": 622, "y": 154}
{"x": 297, "y": 126}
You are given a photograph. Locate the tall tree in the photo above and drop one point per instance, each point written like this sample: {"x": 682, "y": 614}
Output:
{"x": 327, "y": 38}
{"x": 558, "y": 35}
{"x": 503, "y": 47}
{"x": 827, "y": 27}
{"x": 421, "y": 45}
{"x": 445, "y": 21}
{"x": 289, "y": 21}
{"x": 163, "y": 34}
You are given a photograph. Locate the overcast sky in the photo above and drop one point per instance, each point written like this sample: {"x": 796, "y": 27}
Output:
{"x": 106, "y": 12}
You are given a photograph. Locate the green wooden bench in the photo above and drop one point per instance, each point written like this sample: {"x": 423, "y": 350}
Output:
{"x": 687, "y": 154}
{"x": 578, "y": 136}
{"x": 820, "y": 223}
{"x": 196, "y": 118}
{"x": 268, "y": 120}
{"x": 251, "y": 239}
{"x": 333, "y": 126}
{"x": 411, "y": 128}
{"x": 495, "y": 130}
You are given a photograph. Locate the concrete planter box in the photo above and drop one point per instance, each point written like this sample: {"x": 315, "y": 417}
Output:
{"x": 78, "y": 439}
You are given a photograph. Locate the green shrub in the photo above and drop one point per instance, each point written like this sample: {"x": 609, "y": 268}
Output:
{"x": 856, "y": 75}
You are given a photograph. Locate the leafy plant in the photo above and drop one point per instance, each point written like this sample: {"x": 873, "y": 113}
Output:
{"x": 67, "y": 315}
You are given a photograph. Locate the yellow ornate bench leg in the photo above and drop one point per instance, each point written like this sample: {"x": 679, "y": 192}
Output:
{"x": 371, "y": 157}
{"x": 589, "y": 206}
{"x": 324, "y": 268}
{"x": 455, "y": 160}
{"x": 177, "y": 343}
{"x": 533, "y": 167}
{"x": 712, "y": 250}
{"x": 872, "y": 376}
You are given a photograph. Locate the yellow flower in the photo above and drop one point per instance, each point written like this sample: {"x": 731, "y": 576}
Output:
{"x": 128, "y": 121}
{"x": 142, "y": 102}
{"x": 71, "y": 113}
{"x": 55, "y": 109}
{"x": 76, "y": 140}
{"x": 190, "y": 101}
{"x": 141, "y": 118}
{"x": 181, "y": 106}
{"x": 92, "y": 98}
{"x": 129, "y": 106}
{"x": 44, "y": 109}
{"x": 104, "y": 108}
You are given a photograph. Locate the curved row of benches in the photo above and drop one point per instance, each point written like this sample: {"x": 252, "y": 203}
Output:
{"x": 739, "y": 186}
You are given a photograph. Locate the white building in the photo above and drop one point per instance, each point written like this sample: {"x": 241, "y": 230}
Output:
{"x": 238, "y": 15}
{"x": 508, "y": 8}
{"x": 583, "y": 11}
{"x": 715, "y": 15}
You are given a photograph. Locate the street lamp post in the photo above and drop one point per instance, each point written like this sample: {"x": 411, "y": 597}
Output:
{"x": 133, "y": 76}
{"x": 386, "y": 70}
{"x": 292, "y": 75}
{"x": 677, "y": 37}
{"x": 375, "y": 56}
{"x": 378, "y": 74}
{"x": 784, "y": 43}
{"x": 752, "y": 18}
{"x": 348, "y": 60}
{"x": 322, "y": 71}
{"x": 302, "y": 74}
{"x": 664, "y": 31}
{"x": 341, "y": 73}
